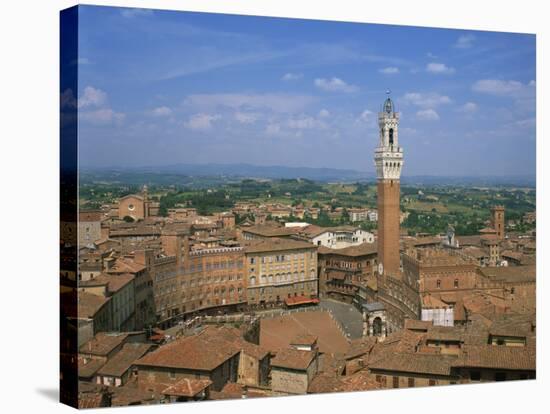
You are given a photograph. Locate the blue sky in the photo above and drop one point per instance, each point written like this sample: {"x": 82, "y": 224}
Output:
{"x": 161, "y": 87}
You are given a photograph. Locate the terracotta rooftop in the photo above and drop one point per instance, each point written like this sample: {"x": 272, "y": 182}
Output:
{"x": 187, "y": 387}
{"x": 89, "y": 216}
{"x": 293, "y": 359}
{"x": 103, "y": 343}
{"x": 421, "y": 363}
{"x": 268, "y": 230}
{"x": 416, "y": 325}
{"x": 360, "y": 346}
{"x": 511, "y": 273}
{"x": 277, "y": 244}
{"x": 497, "y": 357}
{"x": 362, "y": 249}
{"x": 304, "y": 339}
{"x": 469, "y": 240}
{"x": 232, "y": 390}
{"x": 131, "y": 394}
{"x": 88, "y": 367}
{"x": 189, "y": 352}
{"x": 89, "y": 304}
{"x": 124, "y": 359}
{"x": 113, "y": 282}
{"x": 444, "y": 333}
{"x": 126, "y": 265}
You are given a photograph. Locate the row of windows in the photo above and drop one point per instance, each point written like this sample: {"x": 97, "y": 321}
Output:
{"x": 280, "y": 278}
{"x": 438, "y": 283}
{"x": 281, "y": 258}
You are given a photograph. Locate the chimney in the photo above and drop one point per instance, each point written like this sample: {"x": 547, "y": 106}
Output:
{"x": 108, "y": 263}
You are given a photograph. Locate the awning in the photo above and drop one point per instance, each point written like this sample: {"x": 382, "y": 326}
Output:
{"x": 300, "y": 300}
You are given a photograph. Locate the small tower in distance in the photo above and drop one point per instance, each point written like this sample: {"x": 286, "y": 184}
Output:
{"x": 388, "y": 159}
{"x": 497, "y": 220}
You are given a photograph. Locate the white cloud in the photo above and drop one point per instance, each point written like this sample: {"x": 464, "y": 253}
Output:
{"x": 468, "y": 107}
{"x": 427, "y": 115}
{"x": 465, "y": 41}
{"x": 439, "y": 68}
{"x": 102, "y": 116}
{"x": 390, "y": 70}
{"x": 201, "y": 122}
{"x": 335, "y": 85}
{"x": 526, "y": 123}
{"x": 161, "y": 111}
{"x": 92, "y": 97}
{"x": 273, "y": 129}
{"x": 135, "y": 12}
{"x": 324, "y": 113}
{"x": 366, "y": 115}
{"x": 276, "y": 102}
{"x": 504, "y": 87}
{"x": 306, "y": 122}
{"x": 426, "y": 100}
{"x": 431, "y": 55}
{"x": 292, "y": 76}
{"x": 246, "y": 117}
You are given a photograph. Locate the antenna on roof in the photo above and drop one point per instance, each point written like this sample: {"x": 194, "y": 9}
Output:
{"x": 388, "y": 92}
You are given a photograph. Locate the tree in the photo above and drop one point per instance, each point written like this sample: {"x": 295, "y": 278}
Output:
{"x": 345, "y": 216}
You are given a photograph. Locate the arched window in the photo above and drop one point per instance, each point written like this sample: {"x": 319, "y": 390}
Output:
{"x": 456, "y": 283}
{"x": 252, "y": 280}
{"x": 377, "y": 326}
{"x": 391, "y": 136}
{"x": 439, "y": 284}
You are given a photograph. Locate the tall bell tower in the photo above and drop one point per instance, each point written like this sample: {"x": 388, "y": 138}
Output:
{"x": 388, "y": 158}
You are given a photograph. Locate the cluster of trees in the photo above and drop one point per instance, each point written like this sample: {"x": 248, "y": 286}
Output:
{"x": 434, "y": 223}
{"x": 206, "y": 202}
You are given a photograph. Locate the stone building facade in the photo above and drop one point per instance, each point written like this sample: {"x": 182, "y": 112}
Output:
{"x": 343, "y": 272}
{"x": 280, "y": 269}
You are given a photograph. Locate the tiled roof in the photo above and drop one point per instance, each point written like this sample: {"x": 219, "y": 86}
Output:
{"x": 189, "y": 352}
{"x": 124, "y": 359}
{"x": 304, "y": 339}
{"x": 87, "y": 367}
{"x": 126, "y": 265}
{"x": 187, "y": 387}
{"x": 89, "y": 305}
{"x": 511, "y": 273}
{"x": 497, "y": 357}
{"x": 360, "y": 346}
{"x": 114, "y": 282}
{"x": 363, "y": 249}
{"x": 444, "y": 333}
{"x": 102, "y": 344}
{"x": 416, "y": 325}
{"x": 293, "y": 359}
{"x": 277, "y": 244}
{"x": 415, "y": 363}
{"x": 431, "y": 302}
{"x": 89, "y": 216}
{"x": 268, "y": 230}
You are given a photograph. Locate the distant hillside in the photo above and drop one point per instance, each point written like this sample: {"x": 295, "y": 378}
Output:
{"x": 185, "y": 172}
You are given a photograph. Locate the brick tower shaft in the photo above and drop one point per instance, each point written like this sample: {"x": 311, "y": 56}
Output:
{"x": 388, "y": 226}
